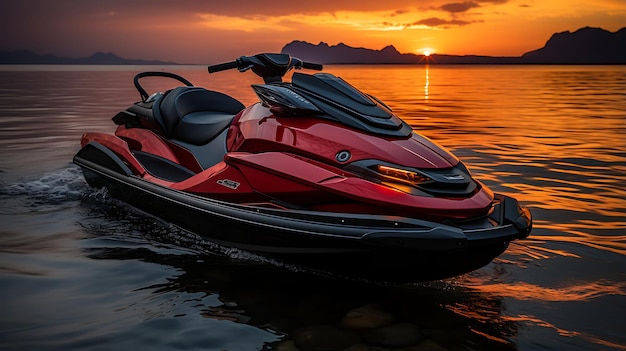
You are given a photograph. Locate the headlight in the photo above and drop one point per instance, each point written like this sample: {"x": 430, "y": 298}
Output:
{"x": 452, "y": 181}
{"x": 402, "y": 175}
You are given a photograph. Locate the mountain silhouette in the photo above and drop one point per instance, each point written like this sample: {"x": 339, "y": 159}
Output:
{"x": 99, "y": 58}
{"x": 342, "y": 53}
{"x": 584, "y": 46}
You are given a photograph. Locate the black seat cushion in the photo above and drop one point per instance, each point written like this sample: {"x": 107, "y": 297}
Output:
{"x": 199, "y": 128}
{"x": 195, "y": 115}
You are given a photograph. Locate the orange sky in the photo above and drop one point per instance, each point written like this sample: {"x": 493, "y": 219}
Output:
{"x": 209, "y": 31}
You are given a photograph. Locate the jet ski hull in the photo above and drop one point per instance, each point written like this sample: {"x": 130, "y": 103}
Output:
{"x": 379, "y": 247}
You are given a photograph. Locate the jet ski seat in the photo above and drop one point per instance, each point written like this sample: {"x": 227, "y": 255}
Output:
{"x": 195, "y": 115}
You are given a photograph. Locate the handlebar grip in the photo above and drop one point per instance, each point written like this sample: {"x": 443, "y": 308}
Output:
{"x": 223, "y": 66}
{"x": 314, "y": 66}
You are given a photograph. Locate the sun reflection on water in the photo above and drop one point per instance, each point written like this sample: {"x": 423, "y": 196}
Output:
{"x": 427, "y": 83}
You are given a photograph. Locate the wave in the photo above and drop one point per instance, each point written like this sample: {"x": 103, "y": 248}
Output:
{"x": 63, "y": 185}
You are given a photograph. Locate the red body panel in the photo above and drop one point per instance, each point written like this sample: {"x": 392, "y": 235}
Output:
{"x": 357, "y": 189}
{"x": 258, "y": 130}
{"x": 147, "y": 141}
{"x": 118, "y": 146}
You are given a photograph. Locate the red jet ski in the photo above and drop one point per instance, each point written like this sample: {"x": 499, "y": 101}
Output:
{"x": 317, "y": 173}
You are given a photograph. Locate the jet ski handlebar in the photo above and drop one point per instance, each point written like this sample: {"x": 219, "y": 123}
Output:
{"x": 270, "y": 67}
{"x": 223, "y": 66}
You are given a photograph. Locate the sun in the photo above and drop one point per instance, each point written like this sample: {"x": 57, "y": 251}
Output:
{"x": 425, "y": 51}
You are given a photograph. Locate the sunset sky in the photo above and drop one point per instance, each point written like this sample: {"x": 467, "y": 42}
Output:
{"x": 215, "y": 31}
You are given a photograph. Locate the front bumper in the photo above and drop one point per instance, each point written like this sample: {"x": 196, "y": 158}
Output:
{"x": 507, "y": 222}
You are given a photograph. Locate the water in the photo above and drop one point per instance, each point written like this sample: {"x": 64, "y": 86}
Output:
{"x": 79, "y": 270}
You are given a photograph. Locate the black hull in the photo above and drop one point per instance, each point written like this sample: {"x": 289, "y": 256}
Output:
{"x": 371, "y": 247}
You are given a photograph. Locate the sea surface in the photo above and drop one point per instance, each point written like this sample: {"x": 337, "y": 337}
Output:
{"x": 81, "y": 271}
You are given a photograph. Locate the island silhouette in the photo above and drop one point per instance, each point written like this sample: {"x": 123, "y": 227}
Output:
{"x": 586, "y": 45}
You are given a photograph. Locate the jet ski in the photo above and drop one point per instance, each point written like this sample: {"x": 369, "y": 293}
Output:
{"x": 317, "y": 174}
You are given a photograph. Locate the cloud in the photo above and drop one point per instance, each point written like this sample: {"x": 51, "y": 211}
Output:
{"x": 456, "y": 7}
{"x": 439, "y": 22}
{"x": 254, "y": 23}
{"x": 399, "y": 12}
